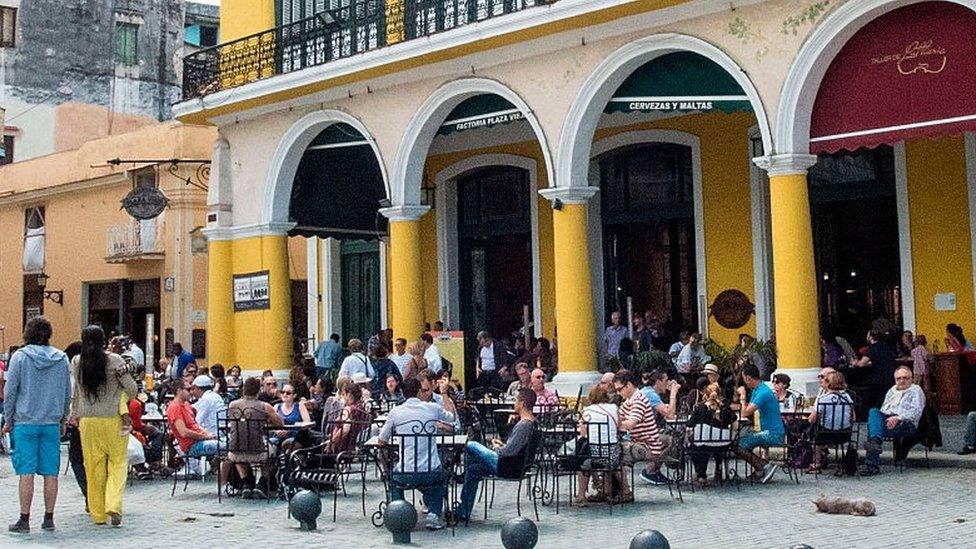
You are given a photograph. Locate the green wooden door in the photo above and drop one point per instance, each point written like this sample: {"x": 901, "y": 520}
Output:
{"x": 360, "y": 266}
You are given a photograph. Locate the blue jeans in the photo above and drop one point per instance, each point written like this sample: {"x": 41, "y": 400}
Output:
{"x": 970, "y": 439}
{"x": 202, "y": 448}
{"x": 877, "y": 429}
{"x": 479, "y": 463}
{"x": 760, "y": 438}
{"x": 432, "y": 485}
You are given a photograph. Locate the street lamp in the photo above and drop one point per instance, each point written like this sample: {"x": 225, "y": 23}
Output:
{"x": 56, "y": 296}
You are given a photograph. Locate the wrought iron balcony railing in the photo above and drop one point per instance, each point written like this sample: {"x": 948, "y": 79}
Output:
{"x": 357, "y": 27}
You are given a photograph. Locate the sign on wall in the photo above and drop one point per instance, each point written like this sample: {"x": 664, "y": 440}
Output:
{"x": 251, "y": 291}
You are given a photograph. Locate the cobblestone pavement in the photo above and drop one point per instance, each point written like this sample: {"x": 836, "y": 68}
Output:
{"x": 919, "y": 507}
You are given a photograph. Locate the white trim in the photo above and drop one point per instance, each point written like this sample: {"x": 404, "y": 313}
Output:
{"x": 569, "y": 195}
{"x": 479, "y": 117}
{"x": 288, "y": 154}
{"x": 762, "y": 245}
{"x": 410, "y": 212}
{"x": 332, "y": 291}
{"x": 904, "y": 238}
{"x": 312, "y": 294}
{"x": 249, "y": 230}
{"x": 411, "y": 155}
{"x": 384, "y": 289}
{"x": 969, "y": 143}
{"x": 900, "y": 127}
{"x": 691, "y": 141}
{"x": 785, "y": 164}
{"x": 680, "y": 98}
{"x": 447, "y": 256}
{"x": 581, "y": 121}
{"x": 459, "y": 36}
{"x": 810, "y": 65}
{"x": 336, "y": 145}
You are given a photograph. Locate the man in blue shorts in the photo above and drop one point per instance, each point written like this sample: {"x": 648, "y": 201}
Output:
{"x": 771, "y": 429}
{"x": 36, "y": 400}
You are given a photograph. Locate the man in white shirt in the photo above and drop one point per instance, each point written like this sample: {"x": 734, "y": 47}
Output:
{"x": 491, "y": 357}
{"x": 692, "y": 357}
{"x": 432, "y": 354}
{"x": 356, "y": 362}
{"x": 137, "y": 354}
{"x": 208, "y": 403}
{"x": 676, "y": 347}
{"x": 419, "y": 464}
{"x": 400, "y": 356}
{"x": 613, "y": 334}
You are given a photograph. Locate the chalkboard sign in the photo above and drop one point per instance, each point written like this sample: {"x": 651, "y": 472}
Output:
{"x": 251, "y": 291}
{"x": 168, "y": 340}
{"x": 199, "y": 345}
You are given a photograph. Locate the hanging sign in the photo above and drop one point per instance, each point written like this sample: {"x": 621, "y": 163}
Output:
{"x": 732, "y": 309}
{"x": 145, "y": 202}
{"x": 251, "y": 292}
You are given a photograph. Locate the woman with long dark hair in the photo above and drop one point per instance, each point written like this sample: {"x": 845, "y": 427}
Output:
{"x": 100, "y": 381}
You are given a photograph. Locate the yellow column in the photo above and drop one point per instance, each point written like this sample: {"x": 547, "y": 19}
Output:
{"x": 406, "y": 259}
{"x": 575, "y": 315}
{"x": 220, "y": 303}
{"x": 794, "y": 274}
{"x": 263, "y": 337}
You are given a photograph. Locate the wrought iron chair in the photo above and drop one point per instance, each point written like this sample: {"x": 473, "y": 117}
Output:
{"x": 242, "y": 439}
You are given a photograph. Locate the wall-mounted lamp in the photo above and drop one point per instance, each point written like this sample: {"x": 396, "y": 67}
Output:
{"x": 56, "y": 296}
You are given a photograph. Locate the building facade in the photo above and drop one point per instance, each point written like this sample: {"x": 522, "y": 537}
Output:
{"x": 769, "y": 167}
{"x": 69, "y": 252}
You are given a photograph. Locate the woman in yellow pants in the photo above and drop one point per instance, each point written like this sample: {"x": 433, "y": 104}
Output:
{"x": 100, "y": 381}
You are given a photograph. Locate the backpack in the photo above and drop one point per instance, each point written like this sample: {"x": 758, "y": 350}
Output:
{"x": 802, "y": 455}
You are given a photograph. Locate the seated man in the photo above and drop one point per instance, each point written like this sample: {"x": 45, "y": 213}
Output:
{"x": 503, "y": 459}
{"x": 898, "y": 417}
{"x": 246, "y": 442}
{"x": 194, "y": 441}
{"x": 771, "y": 429}
{"x": 658, "y": 385}
{"x": 418, "y": 467}
{"x": 208, "y": 403}
{"x": 523, "y": 381}
{"x": 638, "y": 421}
{"x": 545, "y": 399}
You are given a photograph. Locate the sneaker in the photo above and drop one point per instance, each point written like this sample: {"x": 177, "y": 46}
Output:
{"x": 434, "y": 522}
{"x": 655, "y": 478}
{"x": 966, "y": 450}
{"x": 768, "y": 471}
{"x": 258, "y": 493}
{"x": 20, "y": 527}
{"x": 48, "y": 524}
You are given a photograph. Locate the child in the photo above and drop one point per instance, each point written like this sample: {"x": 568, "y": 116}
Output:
{"x": 130, "y": 369}
{"x": 920, "y": 362}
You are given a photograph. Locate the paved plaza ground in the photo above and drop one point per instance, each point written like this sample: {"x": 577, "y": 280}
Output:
{"x": 919, "y": 507}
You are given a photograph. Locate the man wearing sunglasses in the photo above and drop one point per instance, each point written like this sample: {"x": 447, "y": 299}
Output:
{"x": 269, "y": 390}
{"x": 897, "y": 418}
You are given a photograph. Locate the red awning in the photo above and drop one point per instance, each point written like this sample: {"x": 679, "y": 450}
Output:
{"x": 909, "y": 74}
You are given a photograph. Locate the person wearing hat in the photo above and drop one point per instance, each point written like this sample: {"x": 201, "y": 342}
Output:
{"x": 208, "y": 403}
{"x": 365, "y": 384}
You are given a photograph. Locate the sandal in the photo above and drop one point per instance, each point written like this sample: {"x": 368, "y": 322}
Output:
{"x": 813, "y": 470}
{"x": 597, "y": 498}
{"x": 580, "y": 502}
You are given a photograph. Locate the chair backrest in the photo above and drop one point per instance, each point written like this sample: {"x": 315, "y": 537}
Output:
{"x": 416, "y": 443}
{"x": 349, "y": 434}
{"x": 244, "y": 429}
{"x": 835, "y": 412}
{"x": 703, "y": 434}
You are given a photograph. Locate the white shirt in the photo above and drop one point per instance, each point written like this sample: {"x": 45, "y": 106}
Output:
{"x": 401, "y": 361}
{"x": 676, "y": 348}
{"x": 488, "y": 358}
{"x": 407, "y": 419}
{"x": 354, "y": 363}
{"x": 687, "y": 356}
{"x": 433, "y": 356}
{"x": 137, "y": 354}
{"x": 207, "y": 407}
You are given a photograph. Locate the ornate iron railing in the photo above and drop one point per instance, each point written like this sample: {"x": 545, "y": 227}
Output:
{"x": 360, "y": 26}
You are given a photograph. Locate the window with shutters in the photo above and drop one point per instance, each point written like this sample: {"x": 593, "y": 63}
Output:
{"x": 126, "y": 50}
{"x": 8, "y": 26}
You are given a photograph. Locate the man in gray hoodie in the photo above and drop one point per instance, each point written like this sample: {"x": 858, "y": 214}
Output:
{"x": 36, "y": 400}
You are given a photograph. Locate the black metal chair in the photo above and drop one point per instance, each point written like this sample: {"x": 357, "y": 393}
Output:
{"x": 528, "y": 475}
{"x": 601, "y": 456}
{"x": 708, "y": 442}
{"x": 834, "y": 427}
{"x": 242, "y": 440}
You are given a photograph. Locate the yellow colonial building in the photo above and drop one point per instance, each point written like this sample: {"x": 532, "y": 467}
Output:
{"x": 766, "y": 167}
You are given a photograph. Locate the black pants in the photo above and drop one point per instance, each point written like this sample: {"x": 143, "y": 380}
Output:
{"x": 490, "y": 380}
{"x": 700, "y": 456}
{"x": 77, "y": 460}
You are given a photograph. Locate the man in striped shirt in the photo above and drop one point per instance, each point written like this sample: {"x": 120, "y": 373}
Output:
{"x": 637, "y": 419}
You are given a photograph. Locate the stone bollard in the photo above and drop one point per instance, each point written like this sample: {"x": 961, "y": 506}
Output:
{"x": 306, "y": 507}
{"x": 650, "y": 539}
{"x": 520, "y": 533}
{"x": 400, "y": 518}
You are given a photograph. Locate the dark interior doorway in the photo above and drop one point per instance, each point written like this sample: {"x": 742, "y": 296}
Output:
{"x": 647, "y": 210}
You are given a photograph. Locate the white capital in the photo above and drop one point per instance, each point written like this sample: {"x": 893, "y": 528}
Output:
{"x": 569, "y": 195}
{"x": 405, "y": 212}
{"x": 785, "y": 164}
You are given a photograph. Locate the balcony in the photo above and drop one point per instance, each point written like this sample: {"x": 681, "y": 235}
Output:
{"x": 134, "y": 241}
{"x": 361, "y": 26}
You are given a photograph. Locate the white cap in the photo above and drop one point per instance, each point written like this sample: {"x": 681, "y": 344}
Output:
{"x": 202, "y": 381}
{"x": 360, "y": 377}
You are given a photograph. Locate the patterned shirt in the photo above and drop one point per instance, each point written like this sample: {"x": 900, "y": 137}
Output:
{"x": 637, "y": 409}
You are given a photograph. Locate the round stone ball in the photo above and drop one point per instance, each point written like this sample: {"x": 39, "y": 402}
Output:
{"x": 650, "y": 539}
{"x": 401, "y": 516}
{"x": 306, "y": 507}
{"x": 520, "y": 533}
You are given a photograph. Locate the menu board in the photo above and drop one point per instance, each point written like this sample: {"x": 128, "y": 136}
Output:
{"x": 251, "y": 292}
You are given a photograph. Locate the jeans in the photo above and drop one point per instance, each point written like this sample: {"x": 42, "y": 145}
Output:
{"x": 878, "y": 429}
{"x": 758, "y": 439}
{"x": 202, "y": 448}
{"x": 479, "y": 463}
{"x": 970, "y": 439}
{"x": 432, "y": 485}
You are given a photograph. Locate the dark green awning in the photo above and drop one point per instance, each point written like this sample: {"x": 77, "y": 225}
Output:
{"x": 679, "y": 82}
{"x": 480, "y": 111}
{"x": 338, "y": 135}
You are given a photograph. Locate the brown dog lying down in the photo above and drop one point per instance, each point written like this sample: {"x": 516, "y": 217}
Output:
{"x": 858, "y": 507}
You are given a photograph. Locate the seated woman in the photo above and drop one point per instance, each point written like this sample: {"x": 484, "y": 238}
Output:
{"x": 788, "y": 399}
{"x": 831, "y": 418}
{"x": 234, "y": 382}
{"x": 291, "y": 412}
{"x": 711, "y": 426}
{"x": 598, "y": 425}
{"x": 352, "y": 421}
{"x": 392, "y": 395}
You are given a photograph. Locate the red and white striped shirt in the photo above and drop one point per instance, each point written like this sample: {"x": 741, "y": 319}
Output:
{"x": 637, "y": 409}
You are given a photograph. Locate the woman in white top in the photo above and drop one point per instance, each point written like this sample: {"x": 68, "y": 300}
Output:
{"x": 599, "y": 425}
